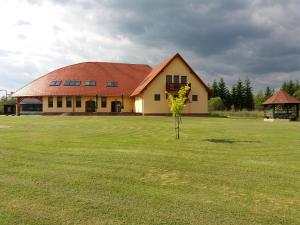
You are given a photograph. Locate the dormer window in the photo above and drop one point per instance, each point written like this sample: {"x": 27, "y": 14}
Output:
{"x": 72, "y": 83}
{"x": 90, "y": 83}
{"x": 55, "y": 83}
{"x": 112, "y": 84}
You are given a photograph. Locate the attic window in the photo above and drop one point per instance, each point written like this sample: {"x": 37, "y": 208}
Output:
{"x": 55, "y": 83}
{"x": 72, "y": 83}
{"x": 112, "y": 84}
{"x": 90, "y": 83}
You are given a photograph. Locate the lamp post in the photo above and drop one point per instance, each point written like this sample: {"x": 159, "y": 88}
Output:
{"x": 5, "y": 93}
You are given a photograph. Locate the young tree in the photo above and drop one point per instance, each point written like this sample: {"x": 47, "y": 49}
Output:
{"x": 258, "y": 100}
{"x": 176, "y": 106}
{"x": 248, "y": 95}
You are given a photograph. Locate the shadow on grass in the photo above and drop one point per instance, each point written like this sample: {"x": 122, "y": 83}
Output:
{"x": 228, "y": 141}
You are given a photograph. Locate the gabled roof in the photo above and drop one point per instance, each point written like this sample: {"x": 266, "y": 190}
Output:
{"x": 281, "y": 97}
{"x": 128, "y": 77}
{"x": 156, "y": 71}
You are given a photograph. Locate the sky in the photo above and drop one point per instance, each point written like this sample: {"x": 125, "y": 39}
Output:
{"x": 233, "y": 39}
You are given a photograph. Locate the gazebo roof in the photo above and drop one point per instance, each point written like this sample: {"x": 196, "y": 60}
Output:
{"x": 281, "y": 97}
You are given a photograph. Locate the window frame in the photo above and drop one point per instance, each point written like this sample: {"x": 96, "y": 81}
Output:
{"x": 176, "y": 79}
{"x": 185, "y": 77}
{"x": 72, "y": 83}
{"x": 112, "y": 84}
{"x": 59, "y": 104}
{"x": 78, "y": 101}
{"x": 170, "y": 79}
{"x": 195, "y": 98}
{"x": 90, "y": 83}
{"x": 103, "y": 102}
{"x": 55, "y": 83}
{"x": 69, "y": 101}
{"x": 50, "y": 103}
{"x": 157, "y": 97}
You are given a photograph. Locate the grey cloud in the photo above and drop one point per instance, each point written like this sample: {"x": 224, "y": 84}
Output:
{"x": 222, "y": 38}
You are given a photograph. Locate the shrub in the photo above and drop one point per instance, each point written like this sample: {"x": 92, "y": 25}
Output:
{"x": 216, "y": 103}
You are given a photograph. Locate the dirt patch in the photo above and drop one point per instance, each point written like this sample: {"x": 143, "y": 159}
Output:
{"x": 4, "y": 126}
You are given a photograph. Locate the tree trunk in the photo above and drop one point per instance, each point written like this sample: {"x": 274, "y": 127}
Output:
{"x": 177, "y": 122}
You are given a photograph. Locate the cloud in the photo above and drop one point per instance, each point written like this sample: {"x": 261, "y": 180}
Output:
{"x": 230, "y": 39}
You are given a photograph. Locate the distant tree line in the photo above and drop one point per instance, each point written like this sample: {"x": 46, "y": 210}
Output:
{"x": 241, "y": 97}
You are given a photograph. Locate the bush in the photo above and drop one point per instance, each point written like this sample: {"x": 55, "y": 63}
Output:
{"x": 215, "y": 103}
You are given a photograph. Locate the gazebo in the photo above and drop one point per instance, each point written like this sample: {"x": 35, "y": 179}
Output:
{"x": 281, "y": 106}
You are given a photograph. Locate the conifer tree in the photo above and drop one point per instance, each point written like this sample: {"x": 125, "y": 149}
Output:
{"x": 233, "y": 97}
{"x": 268, "y": 92}
{"x": 215, "y": 89}
{"x": 224, "y": 93}
{"x": 240, "y": 95}
{"x": 290, "y": 87}
{"x": 248, "y": 95}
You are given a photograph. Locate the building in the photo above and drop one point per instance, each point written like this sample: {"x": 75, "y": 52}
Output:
{"x": 99, "y": 87}
{"x": 281, "y": 106}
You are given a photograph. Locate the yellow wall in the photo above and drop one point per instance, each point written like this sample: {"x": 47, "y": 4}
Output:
{"x": 138, "y": 105}
{"x": 145, "y": 103}
{"x": 128, "y": 104}
{"x": 158, "y": 86}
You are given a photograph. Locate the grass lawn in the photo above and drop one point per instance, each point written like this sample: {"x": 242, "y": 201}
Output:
{"x": 131, "y": 170}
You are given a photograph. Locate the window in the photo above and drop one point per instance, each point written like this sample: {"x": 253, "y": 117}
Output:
{"x": 59, "y": 102}
{"x": 72, "y": 83}
{"x": 112, "y": 84}
{"x": 183, "y": 79}
{"x": 194, "y": 98}
{"x": 176, "y": 79}
{"x": 55, "y": 83}
{"x": 103, "y": 102}
{"x": 90, "y": 83}
{"x": 169, "y": 79}
{"x": 69, "y": 101}
{"x": 157, "y": 97}
{"x": 50, "y": 102}
{"x": 78, "y": 102}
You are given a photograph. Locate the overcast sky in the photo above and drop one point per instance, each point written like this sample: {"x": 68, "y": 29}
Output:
{"x": 219, "y": 38}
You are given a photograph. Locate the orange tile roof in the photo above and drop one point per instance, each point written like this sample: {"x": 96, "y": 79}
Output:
{"x": 156, "y": 71}
{"x": 132, "y": 79}
{"x": 128, "y": 77}
{"x": 281, "y": 97}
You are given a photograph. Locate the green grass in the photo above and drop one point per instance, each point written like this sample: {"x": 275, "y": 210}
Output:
{"x": 235, "y": 114}
{"x": 131, "y": 170}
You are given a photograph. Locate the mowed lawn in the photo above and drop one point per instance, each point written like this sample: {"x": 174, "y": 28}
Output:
{"x": 131, "y": 170}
